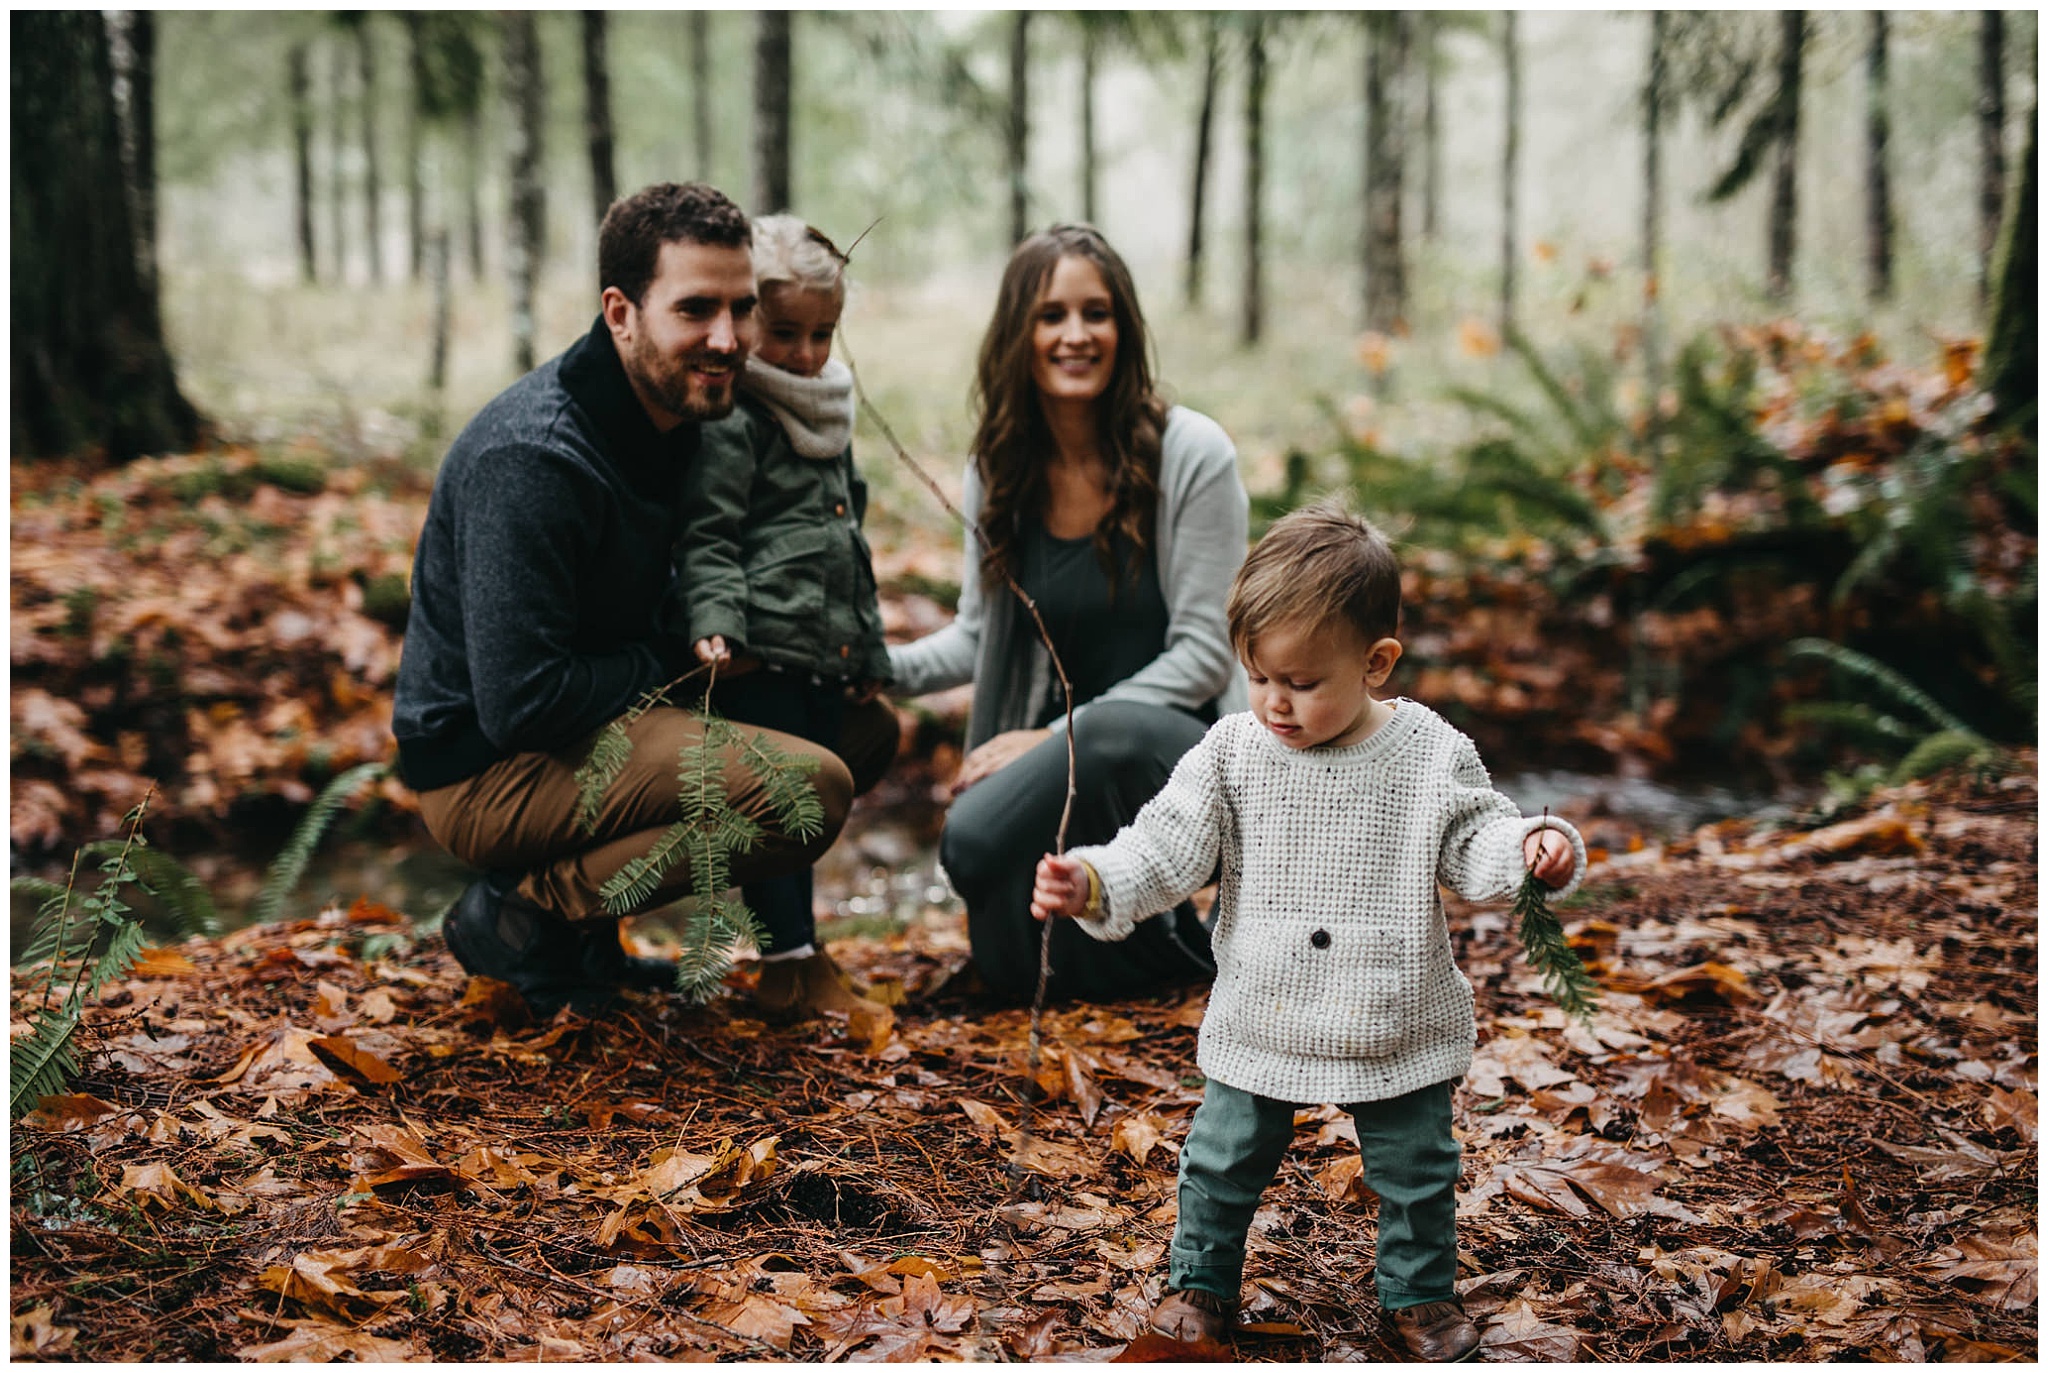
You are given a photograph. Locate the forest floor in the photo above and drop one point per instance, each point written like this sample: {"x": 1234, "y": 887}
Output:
{"x": 1802, "y": 1125}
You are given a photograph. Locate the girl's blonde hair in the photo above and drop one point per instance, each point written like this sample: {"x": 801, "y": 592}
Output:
{"x": 788, "y": 251}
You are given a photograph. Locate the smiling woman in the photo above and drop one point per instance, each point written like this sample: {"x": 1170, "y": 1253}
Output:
{"x": 1124, "y": 520}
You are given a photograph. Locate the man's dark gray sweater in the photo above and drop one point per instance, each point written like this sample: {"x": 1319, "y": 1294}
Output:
{"x": 540, "y": 571}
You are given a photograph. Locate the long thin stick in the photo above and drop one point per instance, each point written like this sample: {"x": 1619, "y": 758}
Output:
{"x": 1059, "y": 843}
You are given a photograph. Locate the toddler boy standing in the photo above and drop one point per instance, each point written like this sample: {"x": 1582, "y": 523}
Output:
{"x": 1334, "y": 817}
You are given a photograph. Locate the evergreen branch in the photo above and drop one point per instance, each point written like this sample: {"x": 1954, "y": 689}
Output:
{"x": 1548, "y": 952}
{"x": 612, "y": 747}
{"x": 631, "y": 885}
{"x": 290, "y": 864}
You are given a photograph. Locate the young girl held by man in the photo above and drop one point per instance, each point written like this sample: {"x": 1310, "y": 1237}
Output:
{"x": 779, "y": 581}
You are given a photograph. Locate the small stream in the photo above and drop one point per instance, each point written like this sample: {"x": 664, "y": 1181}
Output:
{"x": 884, "y": 869}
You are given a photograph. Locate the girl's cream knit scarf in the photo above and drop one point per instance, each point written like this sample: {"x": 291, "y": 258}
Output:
{"x": 816, "y": 412}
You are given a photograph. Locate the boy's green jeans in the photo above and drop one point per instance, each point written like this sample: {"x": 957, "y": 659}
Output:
{"x": 1411, "y": 1159}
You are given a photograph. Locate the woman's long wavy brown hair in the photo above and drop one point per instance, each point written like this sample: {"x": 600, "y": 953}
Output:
{"x": 1012, "y": 441}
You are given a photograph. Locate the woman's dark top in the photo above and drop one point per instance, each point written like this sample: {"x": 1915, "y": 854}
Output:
{"x": 1101, "y": 640}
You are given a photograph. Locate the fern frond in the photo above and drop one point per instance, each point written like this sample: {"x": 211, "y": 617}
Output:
{"x": 1856, "y": 718}
{"x": 290, "y": 864}
{"x": 43, "y": 1062}
{"x": 1501, "y": 467}
{"x": 123, "y": 946}
{"x": 184, "y": 898}
{"x": 1881, "y": 679}
{"x": 1583, "y": 427}
{"x": 1940, "y": 752}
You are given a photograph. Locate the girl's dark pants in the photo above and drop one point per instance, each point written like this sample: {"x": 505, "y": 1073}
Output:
{"x": 1411, "y": 1160}
{"x": 1000, "y": 827}
{"x": 791, "y": 703}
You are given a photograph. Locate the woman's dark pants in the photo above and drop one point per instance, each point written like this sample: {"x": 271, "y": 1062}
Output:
{"x": 1000, "y": 827}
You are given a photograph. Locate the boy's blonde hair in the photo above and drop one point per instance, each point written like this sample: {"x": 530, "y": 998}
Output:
{"x": 1318, "y": 566}
{"x": 789, "y": 252}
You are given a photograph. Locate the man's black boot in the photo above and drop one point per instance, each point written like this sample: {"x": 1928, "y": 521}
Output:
{"x": 494, "y": 932}
{"x": 605, "y": 961}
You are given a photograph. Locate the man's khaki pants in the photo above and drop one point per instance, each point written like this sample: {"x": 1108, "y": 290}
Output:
{"x": 518, "y": 815}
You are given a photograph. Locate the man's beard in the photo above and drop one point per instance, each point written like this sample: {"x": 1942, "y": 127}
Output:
{"x": 669, "y": 382}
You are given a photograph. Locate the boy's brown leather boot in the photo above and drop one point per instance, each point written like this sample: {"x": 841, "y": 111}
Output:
{"x": 1437, "y": 1331}
{"x": 1192, "y": 1315}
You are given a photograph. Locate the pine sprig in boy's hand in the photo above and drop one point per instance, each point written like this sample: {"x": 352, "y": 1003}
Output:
{"x": 1544, "y": 944}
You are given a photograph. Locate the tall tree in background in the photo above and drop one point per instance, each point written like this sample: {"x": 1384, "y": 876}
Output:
{"x": 1990, "y": 142}
{"x": 1205, "y": 118}
{"x": 1510, "y": 168}
{"x": 1019, "y": 140}
{"x": 89, "y": 366}
{"x": 1254, "y": 177}
{"x": 299, "y": 93}
{"x": 1784, "y": 229}
{"x": 373, "y": 189}
{"x": 1429, "y": 27}
{"x": 1655, "y": 80}
{"x": 1386, "y": 64}
{"x": 1773, "y": 129}
{"x": 528, "y": 236}
{"x": 771, "y": 111}
{"x": 597, "y": 111}
{"x": 1091, "y": 39}
{"x": 2012, "y": 344}
{"x": 415, "y": 145}
{"x": 131, "y": 36}
{"x": 337, "y": 141}
{"x": 700, "y": 90}
{"x": 1877, "y": 175}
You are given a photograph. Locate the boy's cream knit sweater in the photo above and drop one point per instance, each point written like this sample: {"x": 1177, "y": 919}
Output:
{"x": 1334, "y": 979}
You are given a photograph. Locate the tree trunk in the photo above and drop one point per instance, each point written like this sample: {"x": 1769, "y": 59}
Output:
{"x": 700, "y": 89}
{"x": 1204, "y": 120}
{"x": 1386, "y": 61}
{"x": 366, "y": 54}
{"x": 1877, "y": 174}
{"x": 337, "y": 139}
{"x": 2012, "y": 343}
{"x": 1432, "y": 139}
{"x": 300, "y": 86}
{"x": 473, "y": 185}
{"x": 415, "y": 146}
{"x": 1020, "y": 124}
{"x": 771, "y": 112}
{"x": 597, "y": 111}
{"x": 131, "y": 35}
{"x": 1254, "y": 177}
{"x": 529, "y": 200}
{"x": 1784, "y": 221}
{"x": 1653, "y": 199}
{"x": 437, "y": 370}
{"x": 1510, "y": 169}
{"x": 1088, "y": 44}
{"x": 1990, "y": 142}
{"x": 89, "y": 366}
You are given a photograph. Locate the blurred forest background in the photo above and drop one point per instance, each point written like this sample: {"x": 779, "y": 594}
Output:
{"x": 1690, "y": 354}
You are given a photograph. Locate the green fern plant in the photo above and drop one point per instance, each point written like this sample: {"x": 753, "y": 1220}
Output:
{"x": 81, "y": 949}
{"x": 706, "y": 837}
{"x": 1927, "y": 735}
{"x": 290, "y": 864}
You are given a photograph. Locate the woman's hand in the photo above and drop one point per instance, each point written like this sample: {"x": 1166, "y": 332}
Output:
{"x": 996, "y": 754}
{"x": 1061, "y": 888}
{"x": 1548, "y": 854}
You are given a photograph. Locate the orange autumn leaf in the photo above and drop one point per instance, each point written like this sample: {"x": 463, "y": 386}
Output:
{"x": 351, "y": 1060}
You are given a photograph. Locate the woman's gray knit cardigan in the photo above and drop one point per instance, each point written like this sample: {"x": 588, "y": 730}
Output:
{"x": 1199, "y": 537}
